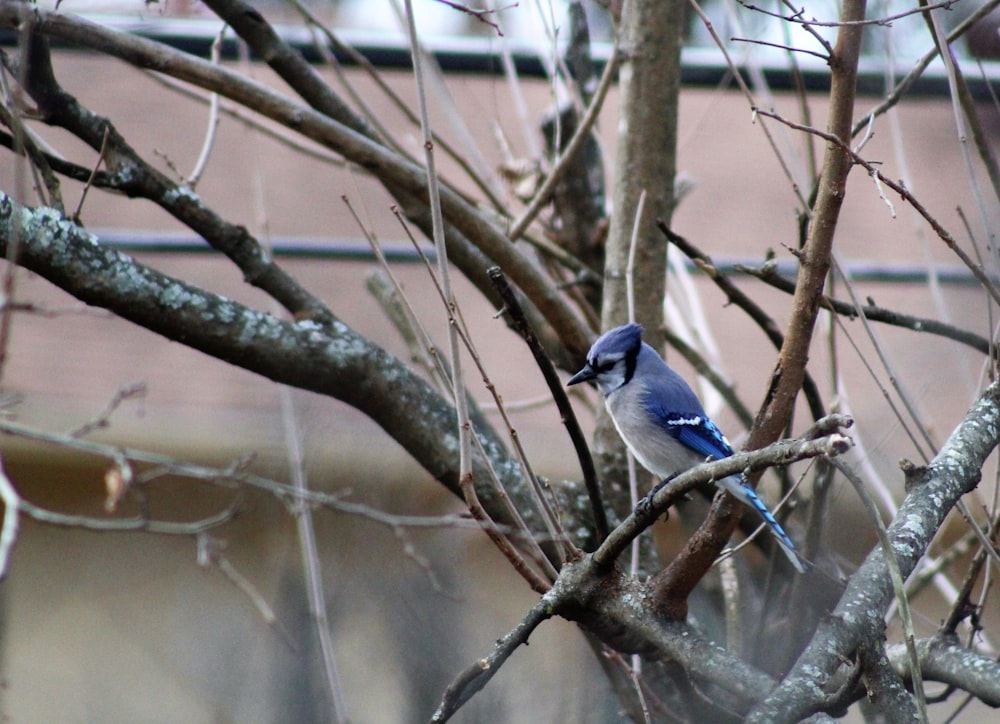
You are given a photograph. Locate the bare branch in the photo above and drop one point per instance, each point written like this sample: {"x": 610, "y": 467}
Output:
{"x": 583, "y": 130}
{"x": 768, "y": 273}
{"x": 213, "y": 121}
{"x": 798, "y": 16}
{"x": 955, "y": 471}
{"x": 102, "y": 419}
{"x": 473, "y": 679}
{"x": 332, "y": 360}
{"x": 558, "y": 393}
{"x": 466, "y": 224}
{"x": 735, "y": 295}
{"x": 943, "y": 659}
{"x": 789, "y": 48}
{"x": 943, "y": 234}
{"x": 480, "y": 15}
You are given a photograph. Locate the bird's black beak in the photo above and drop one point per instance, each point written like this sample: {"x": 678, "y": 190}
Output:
{"x": 587, "y": 373}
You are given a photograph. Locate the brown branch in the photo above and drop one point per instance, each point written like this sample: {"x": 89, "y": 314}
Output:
{"x": 479, "y": 15}
{"x": 139, "y": 179}
{"x": 886, "y": 21}
{"x": 741, "y": 299}
{"x": 906, "y": 195}
{"x": 680, "y": 577}
{"x": 779, "y": 46}
{"x": 921, "y": 65}
{"x": 293, "y": 68}
{"x": 769, "y": 275}
{"x": 332, "y": 360}
{"x": 569, "y": 153}
{"x": 963, "y": 96}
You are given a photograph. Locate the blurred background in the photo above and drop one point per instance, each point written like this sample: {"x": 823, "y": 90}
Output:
{"x": 125, "y": 627}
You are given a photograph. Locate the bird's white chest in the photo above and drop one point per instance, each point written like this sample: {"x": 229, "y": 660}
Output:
{"x": 654, "y": 448}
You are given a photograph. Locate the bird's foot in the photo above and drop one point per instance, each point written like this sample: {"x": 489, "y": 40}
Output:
{"x": 645, "y": 505}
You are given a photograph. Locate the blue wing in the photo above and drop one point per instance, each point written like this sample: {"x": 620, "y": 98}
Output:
{"x": 673, "y": 404}
{"x": 676, "y": 409}
{"x": 698, "y": 433}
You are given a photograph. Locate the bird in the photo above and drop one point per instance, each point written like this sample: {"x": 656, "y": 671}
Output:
{"x": 662, "y": 421}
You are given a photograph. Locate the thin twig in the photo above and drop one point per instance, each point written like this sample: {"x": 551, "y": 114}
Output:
{"x": 921, "y": 65}
{"x": 93, "y": 175}
{"x": 544, "y": 193}
{"x": 316, "y": 590}
{"x": 966, "y": 116}
{"x": 894, "y": 378}
{"x": 513, "y": 309}
{"x": 748, "y": 94}
{"x": 483, "y": 184}
{"x": 797, "y": 16}
{"x": 213, "y": 118}
{"x": 479, "y": 15}
{"x": 630, "y": 264}
{"x": 275, "y": 133}
{"x": 440, "y": 372}
{"x": 217, "y": 476}
{"x": 554, "y": 528}
{"x": 136, "y": 523}
{"x": 943, "y": 234}
{"x": 209, "y": 555}
{"x": 102, "y": 419}
{"x": 737, "y": 296}
{"x": 465, "y": 432}
{"x": 789, "y": 48}
{"x": 24, "y": 141}
{"x": 769, "y": 275}
{"x": 444, "y": 274}
{"x": 474, "y": 678}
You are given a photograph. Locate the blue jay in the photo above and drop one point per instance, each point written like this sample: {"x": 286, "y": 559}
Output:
{"x": 661, "y": 420}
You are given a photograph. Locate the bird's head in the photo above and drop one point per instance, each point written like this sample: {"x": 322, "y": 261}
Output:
{"x": 611, "y": 359}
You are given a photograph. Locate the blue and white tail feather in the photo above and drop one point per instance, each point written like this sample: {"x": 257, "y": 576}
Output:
{"x": 661, "y": 420}
{"x": 737, "y": 487}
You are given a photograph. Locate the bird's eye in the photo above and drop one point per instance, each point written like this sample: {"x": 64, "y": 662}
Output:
{"x": 601, "y": 366}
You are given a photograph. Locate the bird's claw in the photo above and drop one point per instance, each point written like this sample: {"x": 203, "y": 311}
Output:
{"x": 645, "y": 505}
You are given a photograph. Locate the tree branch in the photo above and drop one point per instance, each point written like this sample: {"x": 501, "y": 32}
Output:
{"x": 513, "y": 309}
{"x": 789, "y": 372}
{"x": 331, "y": 360}
{"x": 769, "y": 275}
{"x": 466, "y": 223}
{"x": 955, "y": 471}
{"x": 943, "y": 659}
{"x": 473, "y": 679}
{"x": 137, "y": 178}
{"x": 735, "y": 295}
